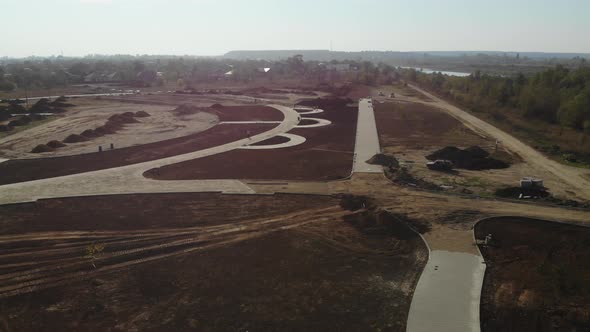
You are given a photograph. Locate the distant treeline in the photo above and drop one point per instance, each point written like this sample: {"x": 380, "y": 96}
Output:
{"x": 557, "y": 95}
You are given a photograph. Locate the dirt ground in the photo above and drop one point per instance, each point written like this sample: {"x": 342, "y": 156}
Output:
{"x": 411, "y": 131}
{"x": 289, "y": 262}
{"x": 327, "y": 154}
{"x": 538, "y": 276}
{"x": 13, "y": 171}
{"x": 92, "y": 113}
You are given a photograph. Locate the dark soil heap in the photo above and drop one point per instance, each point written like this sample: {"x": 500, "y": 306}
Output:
{"x": 142, "y": 114}
{"x": 472, "y": 158}
{"x": 22, "y": 121}
{"x": 41, "y": 148}
{"x": 4, "y": 128}
{"x": 217, "y": 106}
{"x": 89, "y": 133}
{"x": 185, "y": 109}
{"x": 384, "y": 160}
{"x": 55, "y": 144}
{"x": 75, "y": 139}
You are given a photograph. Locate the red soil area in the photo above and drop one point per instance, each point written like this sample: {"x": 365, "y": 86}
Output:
{"x": 273, "y": 141}
{"x": 327, "y": 154}
{"x": 248, "y": 113}
{"x": 538, "y": 275}
{"x": 14, "y": 171}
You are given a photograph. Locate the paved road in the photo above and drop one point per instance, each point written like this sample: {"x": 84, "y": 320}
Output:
{"x": 129, "y": 179}
{"x": 367, "y": 139}
{"x": 570, "y": 175}
{"x": 447, "y": 296}
{"x": 293, "y": 141}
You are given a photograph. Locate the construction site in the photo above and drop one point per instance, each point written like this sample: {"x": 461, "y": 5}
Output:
{"x": 285, "y": 208}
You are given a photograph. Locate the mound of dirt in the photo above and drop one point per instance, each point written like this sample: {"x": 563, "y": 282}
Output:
{"x": 75, "y": 139}
{"x": 518, "y": 192}
{"x": 472, "y": 158}
{"x": 41, "y": 148}
{"x": 4, "y": 128}
{"x": 89, "y": 133}
{"x": 185, "y": 109}
{"x": 122, "y": 118}
{"x": 60, "y": 102}
{"x": 142, "y": 114}
{"x": 217, "y": 106}
{"x": 41, "y": 106}
{"x": 22, "y": 121}
{"x": 384, "y": 160}
{"x": 55, "y": 144}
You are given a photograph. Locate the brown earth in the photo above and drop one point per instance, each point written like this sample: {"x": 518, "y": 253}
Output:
{"x": 327, "y": 154}
{"x": 13, "y": 171}
{"x": 412, "y": 131}
{"x": 273, "y": 141}
{"x": 288, "y": 262}
{"x": 538, "y": 276}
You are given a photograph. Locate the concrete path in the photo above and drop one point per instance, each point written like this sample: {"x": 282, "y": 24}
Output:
{"x": 319, "y": 123}
{"x": 367, "y": 139}
{"x": 129, "y": 179}
{"x": 309, "y": 110}
{"x": 448, "y": 293}
{"x": 293, "y": 141}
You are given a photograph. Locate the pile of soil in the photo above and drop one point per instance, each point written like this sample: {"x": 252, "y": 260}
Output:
{"x": 41, "y": 148}
{"x": 472, "y": 158}
{"x": 142, "y": 114}
{"x": 217, "y": 106}
{"x": 186, "y": 109}
{"x": 89, "y": 133}
{"x": 55, "y": 144}
{"x": 73, "y": 138}
{"x": 516, "y": 192}
{"x": 22, "y": 121}
{"x": 4, "y": 128}
{"x": 13, "y": 107}
{"x": 124, "y": 118}
{"x": 4, "y": 114}
{"x": 383, "y": 160}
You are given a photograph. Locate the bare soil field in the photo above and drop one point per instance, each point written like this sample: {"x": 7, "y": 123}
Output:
{"x": 20, "y": 170}
{"x": 90, "y": 114}
{"x": 412, "y": 131}
{"x": 327, "y": 154}
{"x": 538, "y": 276}
{"x": 206, "y": 262}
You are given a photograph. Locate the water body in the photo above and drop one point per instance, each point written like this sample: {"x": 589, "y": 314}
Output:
{"x": 432, "y": 71}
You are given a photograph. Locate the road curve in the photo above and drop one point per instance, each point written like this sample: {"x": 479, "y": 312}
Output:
{"x": 130, "y": 180}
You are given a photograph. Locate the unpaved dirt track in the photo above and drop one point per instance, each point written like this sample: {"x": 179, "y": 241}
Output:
{"x": 27, "y": 266}
{"x": 573, "y": 177}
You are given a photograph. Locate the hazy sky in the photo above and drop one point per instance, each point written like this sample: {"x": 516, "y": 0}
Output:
{"x": 213, "y": 27}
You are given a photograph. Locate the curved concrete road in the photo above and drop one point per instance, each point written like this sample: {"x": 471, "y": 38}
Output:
{"x": 319, "y": 123}
{"x": 293, "y": 141}
{"x": 129, "y": 179}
